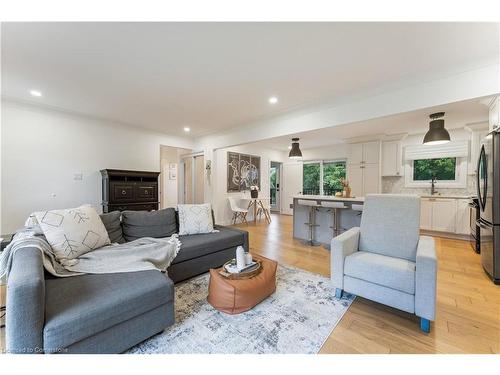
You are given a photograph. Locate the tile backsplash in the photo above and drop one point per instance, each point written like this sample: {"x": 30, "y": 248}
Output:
{"x": 396, "y": 185}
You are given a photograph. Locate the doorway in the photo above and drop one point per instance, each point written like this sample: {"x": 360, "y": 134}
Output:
{"x": 194, "y": 182}
{"x": 274, "y": 186}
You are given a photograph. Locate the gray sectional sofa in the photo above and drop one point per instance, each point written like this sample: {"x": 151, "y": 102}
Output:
{"x": 107, "y": 313}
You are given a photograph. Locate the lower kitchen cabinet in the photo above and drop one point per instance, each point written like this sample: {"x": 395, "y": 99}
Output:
{"x": 448, "y": 215}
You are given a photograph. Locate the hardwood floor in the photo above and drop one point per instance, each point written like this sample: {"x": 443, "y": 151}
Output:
{"x": 468, "y": 303}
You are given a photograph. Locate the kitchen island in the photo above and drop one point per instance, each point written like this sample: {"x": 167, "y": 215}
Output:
{"x": 323, "y": 233}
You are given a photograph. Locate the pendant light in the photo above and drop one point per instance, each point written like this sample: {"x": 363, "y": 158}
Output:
{"x": 295, "y": 152}
{"x": 437, "y": 134}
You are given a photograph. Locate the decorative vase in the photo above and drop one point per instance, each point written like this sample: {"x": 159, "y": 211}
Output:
{"x": 254, "y": 193}
{"x": 347, "y": 192}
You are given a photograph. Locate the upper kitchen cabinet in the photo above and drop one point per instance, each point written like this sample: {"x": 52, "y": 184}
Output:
{"x": 478, "y": 132}
{"x": 391, "y": 158}
{"x": 364, "y": 153}
{"x": 494, "y": 118}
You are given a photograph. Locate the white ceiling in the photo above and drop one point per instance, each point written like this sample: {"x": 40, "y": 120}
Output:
{"x": 214, "y": 76}
{"x": 457, "y": 115}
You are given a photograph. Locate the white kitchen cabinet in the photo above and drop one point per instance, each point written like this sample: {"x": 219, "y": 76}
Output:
{"x": 371, "y": 179}
{"x": 355, "y": 177}
{"x": 462, "y": 221}
{"x": 364, "y": 153}
{"x": 478, "y": 134}
{"x": 391, "y": 158}
{"x": 494, "y": 116}
{"x": 371, "y": 152}
{"x": 364, "y": 179}
{"x": 426, "y": 214}
{"x": 440, "y": 215}
{"x": 355, "y": 153}
{"x": 363, "y": 168}
{"x": 444, "y": 212}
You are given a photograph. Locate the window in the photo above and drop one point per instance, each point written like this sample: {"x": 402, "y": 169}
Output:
{"x": 323, "y": 178}
{"x": 450, "y": 172}
{"x": 311, "y": 179}
{"x": 333, "y": 172}
{"x": 443, "y": 169}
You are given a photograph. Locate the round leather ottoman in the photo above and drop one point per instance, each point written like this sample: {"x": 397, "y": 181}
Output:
{"x": 237, "y": 296}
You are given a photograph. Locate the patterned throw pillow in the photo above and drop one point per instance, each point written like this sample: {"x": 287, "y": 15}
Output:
{"x": 195, "y": 219}
{"x": 74, "y": 231}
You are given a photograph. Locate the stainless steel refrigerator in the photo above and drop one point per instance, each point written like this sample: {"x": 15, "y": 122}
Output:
{"x": 488, "y": 192}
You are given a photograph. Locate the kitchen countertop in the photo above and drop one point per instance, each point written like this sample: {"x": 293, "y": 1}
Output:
{"x": 450, "y": 196}
{"x": 329, "y": 198}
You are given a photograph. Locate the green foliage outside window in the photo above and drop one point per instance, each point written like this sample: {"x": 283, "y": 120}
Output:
{"x": 443, "y": 169}
{"x": 332, "y": 174}
{"x": 311, "y": 176}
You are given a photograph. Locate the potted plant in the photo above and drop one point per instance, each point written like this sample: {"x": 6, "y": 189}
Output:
{"x": 254, "y": 191}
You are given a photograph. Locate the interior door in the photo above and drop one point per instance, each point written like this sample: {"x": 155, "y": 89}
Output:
{"x": 292, "y": 185}
{"x": 199, "y": 181}
{"x": 188, "y": 180}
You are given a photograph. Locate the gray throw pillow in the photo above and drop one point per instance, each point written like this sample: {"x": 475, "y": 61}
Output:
{"x": 157, "y": 224}
{"x": 113, "y": 225}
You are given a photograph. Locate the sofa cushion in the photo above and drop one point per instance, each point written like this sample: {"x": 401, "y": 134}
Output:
{"x": 73, "y": 232}
{"x": 390, "y": 225}
{"x": 156, "y": 224}
{"x": 395, "y": 273}
{"x": 81, "y": 306}
{"x": 197, "y": 245}
{"x": 113, "y": 225}
{"x": 195, "y": 218}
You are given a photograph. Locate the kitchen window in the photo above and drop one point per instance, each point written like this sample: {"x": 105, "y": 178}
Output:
{"x": 450, "y": 172}
{"x": 323, "y": 177}
{"x": 442, "y": 169}
{"x": 448, "y": 163}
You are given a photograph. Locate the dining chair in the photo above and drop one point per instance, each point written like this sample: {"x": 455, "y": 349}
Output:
{"x": 238, "y": 212}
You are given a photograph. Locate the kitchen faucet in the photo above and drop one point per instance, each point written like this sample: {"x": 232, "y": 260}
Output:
{"x": 433, "y": 183}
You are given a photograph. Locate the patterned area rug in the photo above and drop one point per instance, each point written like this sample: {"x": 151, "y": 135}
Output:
{"x": 297, "y": 318}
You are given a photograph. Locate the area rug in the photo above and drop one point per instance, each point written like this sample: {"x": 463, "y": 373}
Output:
{"x": 297, "y": 318}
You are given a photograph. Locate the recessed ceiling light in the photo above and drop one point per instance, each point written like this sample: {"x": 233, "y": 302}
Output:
{"x": 35, "y": 93}
{"x": 273, "y": 100}
{"x": 187, "y": 129}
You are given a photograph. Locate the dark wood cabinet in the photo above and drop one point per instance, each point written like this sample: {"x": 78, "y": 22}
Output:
{"x": 129, "y": 190}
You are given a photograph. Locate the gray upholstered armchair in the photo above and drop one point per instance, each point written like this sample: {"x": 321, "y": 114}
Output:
{"x": 386, "y": 260}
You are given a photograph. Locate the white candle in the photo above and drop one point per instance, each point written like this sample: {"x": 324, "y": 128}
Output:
{"x": 240, "y": 257}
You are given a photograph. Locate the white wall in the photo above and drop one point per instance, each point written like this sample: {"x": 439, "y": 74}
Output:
{"x": 333, "y": 152}
{"x": 43, "y": 149}
{"x": 219, "y": 192}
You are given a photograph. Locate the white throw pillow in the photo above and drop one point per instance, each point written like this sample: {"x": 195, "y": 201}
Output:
{"x": 74, "y": 231}
{"x": 195, "y": 218}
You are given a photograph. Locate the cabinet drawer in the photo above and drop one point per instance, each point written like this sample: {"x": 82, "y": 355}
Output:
{"x": 146, "y": 192}
{"x": 122, "y": 192}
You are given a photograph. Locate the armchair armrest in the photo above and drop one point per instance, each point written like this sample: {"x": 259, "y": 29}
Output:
{"x": 425, "y": 278}
{"x": 341, "y": 247}
{"x": 25, "y": 303}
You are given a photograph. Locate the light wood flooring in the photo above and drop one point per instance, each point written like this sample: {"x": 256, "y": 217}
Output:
{"x": 468, "y": 303}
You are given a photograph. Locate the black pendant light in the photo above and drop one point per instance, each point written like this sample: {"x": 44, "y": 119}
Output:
{"x": 295, "y": 152}
{"x": 437, "y": 134}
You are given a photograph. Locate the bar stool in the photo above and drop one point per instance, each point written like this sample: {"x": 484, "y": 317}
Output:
{"x": 335, "y": 208}
{"x": 357, "y": 207}
{"x": 313, "y": 207}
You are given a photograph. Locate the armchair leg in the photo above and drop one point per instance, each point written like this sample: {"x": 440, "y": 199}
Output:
{"x": 425, "y": 325}
{"x": 338, "y": 293}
